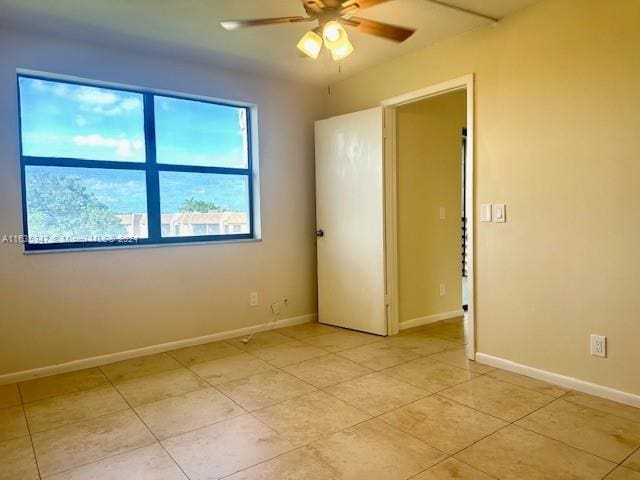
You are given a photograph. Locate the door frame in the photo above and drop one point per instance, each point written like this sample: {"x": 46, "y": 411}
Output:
{"x": 465, "y": 82}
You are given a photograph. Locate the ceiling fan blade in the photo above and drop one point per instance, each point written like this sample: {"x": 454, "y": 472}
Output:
{"x": 379, "y": 29}
{"x": 353, "y": 5}
{"x": 236, "y": 24}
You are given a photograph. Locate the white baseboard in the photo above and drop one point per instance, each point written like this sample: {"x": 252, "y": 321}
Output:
{"x": 418, "y": 322}
{"x": 150, "y": 350}
{"x": 561, "y": 380}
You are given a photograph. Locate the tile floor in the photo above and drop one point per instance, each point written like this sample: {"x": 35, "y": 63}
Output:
{"x": 312, "y": 402}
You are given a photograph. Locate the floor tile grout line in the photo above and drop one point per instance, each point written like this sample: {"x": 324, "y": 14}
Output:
{"x": 75, "y": 422}
{"x": 264, "y": 461}
{"x": 508, "y": 423}
{"x": 250, "y": 412}
{"x": 248, "y": 376}
{"x": 48, "y": 397}
{"x": 130, "y": 407}
{"x": 369, "y": 417}
{"x": 240, "y": 351}
{"x": 614, "y": 462}
{"x": 451, "y": 457}
{"x": 563, "y": 442}
{"x": 422, "y": 388}
{"x": 26, "y": 421}
{"x": 565, "y": 391}
{"x": 359, "y": 376}
{"x": 178, "y": 367}
{"x": 217, "y": 390}
{"x": 514, "y": 423}
{"x": 86, "y": 464}
{"x": 308, "y": 444}
{"x": 615, "y": 467}
{"x": 149, "y": 430}
{"x": 472, "y": 466}
{"x": 637, "y": 450}
{"x": 337, "y": 383}
{"x": 598, "y": 409}
{"x": 169, "y": 397}
{"x": 602, "y": 412}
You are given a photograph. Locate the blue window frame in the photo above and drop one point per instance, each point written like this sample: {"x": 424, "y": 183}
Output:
{"x": 107, "y": 166}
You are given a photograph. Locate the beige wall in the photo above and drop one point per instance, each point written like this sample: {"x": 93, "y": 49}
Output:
{"x": 557, "y": 122}
{"x": 65, "y": 306}
{"x": 429, "y": 152}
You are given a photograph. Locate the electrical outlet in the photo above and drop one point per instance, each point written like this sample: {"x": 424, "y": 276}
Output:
{"x": 275, "y": 308}
{"x": 598, "y": 346}
{"x": 443, "y": 289}
{"x": 253, "y": 299}
{"x": 443, "y": 213}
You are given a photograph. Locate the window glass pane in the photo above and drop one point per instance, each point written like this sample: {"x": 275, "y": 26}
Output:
{"x": 67, "y": 205}
{"x": 195, "y": 204}
{"x": 203, "y": 134}
{"x": 75, "y": 121}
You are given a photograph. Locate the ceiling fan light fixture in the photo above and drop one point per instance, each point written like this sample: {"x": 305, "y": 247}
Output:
{"x": 342, "y": 51}
{"x": 334, "y": 34}
{"x": 310, "y": 44}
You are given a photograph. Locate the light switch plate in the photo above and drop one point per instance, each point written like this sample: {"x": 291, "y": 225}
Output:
{"x": 499, "y": 213}
{"x": 485, "y": 212}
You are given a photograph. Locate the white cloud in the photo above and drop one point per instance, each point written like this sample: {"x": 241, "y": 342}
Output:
{"x": 130, "y": 104}
{"x": 95, "y": 96}
{"x": 122, "y": 146}
{"x": 38, "y": 85}
{"x": 109, "y": 111}
{"x": 60, "y": 89}
{"x": 125, "y": 105}
{"x": 92, "y": 99}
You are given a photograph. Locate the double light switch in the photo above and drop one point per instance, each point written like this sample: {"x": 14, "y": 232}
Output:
{"x": 496, "y": 212}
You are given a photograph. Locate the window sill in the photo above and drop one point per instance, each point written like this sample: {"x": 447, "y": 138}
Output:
{"x": 132, "y": 247}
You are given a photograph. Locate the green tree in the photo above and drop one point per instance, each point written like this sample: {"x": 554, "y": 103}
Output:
{"x": 60, "y": 206}
{"x": 191, "y": 205}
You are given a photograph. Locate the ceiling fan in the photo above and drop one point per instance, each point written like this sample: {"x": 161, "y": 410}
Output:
{"x": 331, "y": 15}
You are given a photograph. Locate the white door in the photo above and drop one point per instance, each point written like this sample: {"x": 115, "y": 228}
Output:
{"x": 350, "y": 221}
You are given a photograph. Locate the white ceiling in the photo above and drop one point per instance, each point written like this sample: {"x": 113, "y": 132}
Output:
{"x": 190, "y": 29}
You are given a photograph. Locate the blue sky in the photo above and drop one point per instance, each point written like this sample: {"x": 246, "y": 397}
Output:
{"x": 75, "y": 121}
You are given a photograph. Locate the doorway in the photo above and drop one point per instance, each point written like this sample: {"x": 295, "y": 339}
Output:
{"x": 429, "y": 207}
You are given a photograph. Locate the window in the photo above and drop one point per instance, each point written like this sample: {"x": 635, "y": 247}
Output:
{"x": 103, "y": 166}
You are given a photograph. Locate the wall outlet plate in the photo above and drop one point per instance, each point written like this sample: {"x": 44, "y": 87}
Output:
{"x": 443, "y": 289}
{"x": 253, "y": 299}
{"x": 598, "y": 346}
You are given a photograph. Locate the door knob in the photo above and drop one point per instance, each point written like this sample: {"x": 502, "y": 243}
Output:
{"x": 319, "y": 233}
